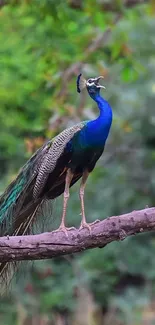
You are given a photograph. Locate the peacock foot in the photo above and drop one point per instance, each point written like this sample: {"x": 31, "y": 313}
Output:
{"x": 65, "y": 229}
{"x": 84, "y": 224}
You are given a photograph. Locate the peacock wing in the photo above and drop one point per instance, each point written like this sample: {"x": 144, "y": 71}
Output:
{"x": 56, "y": 155}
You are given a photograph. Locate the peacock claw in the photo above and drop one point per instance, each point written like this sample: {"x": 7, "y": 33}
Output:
{"x": 85, "y": 225}
{"x": 64, "y": 229}
{"x": 88, "y": 225}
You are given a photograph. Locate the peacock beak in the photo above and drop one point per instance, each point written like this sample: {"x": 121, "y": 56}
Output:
{"x": 97, "y": 82}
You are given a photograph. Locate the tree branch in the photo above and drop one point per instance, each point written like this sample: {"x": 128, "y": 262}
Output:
{"x": 114, "y": 6}
{"x": 48, "y": 245}
{"x": 108, "y": 5}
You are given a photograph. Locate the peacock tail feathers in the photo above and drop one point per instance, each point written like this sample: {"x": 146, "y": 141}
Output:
{"x": 12, "y": 200}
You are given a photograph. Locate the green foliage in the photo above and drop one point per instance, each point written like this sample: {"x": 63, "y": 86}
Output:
{"x": 40, "y": 41}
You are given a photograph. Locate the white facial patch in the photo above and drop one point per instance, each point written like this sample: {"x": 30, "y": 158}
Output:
{"x": 90, "y": 82}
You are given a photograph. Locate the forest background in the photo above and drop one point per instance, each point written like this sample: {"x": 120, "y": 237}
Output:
{"x": 44, "y": 45}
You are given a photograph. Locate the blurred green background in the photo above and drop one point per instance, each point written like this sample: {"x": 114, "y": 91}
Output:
{"x": 44, "y": 45}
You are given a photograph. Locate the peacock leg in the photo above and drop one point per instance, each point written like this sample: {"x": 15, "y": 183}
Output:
{"x": 84, "y": 223}
{"x": 68, "y": 180}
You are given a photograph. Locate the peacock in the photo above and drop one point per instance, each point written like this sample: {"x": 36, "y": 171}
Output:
{"x": 54, "y": 168}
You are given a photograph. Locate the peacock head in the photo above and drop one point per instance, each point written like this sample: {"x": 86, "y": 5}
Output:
{"x": 92, "y": 84}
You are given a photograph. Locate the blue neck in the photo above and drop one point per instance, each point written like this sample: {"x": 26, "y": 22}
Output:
{"x": 97, "y": 131}
{"x": 103, "y": 105}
